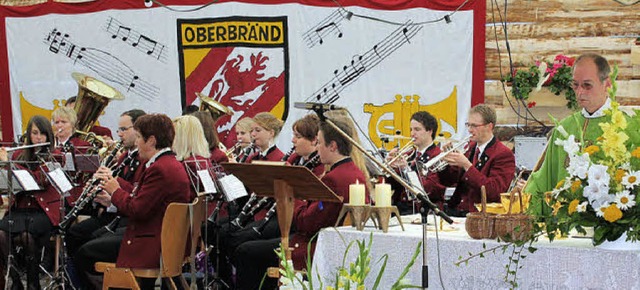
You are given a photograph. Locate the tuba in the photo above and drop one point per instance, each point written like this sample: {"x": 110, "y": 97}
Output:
{"x": 215, "y": 108}
{"x": 93, "y": 97}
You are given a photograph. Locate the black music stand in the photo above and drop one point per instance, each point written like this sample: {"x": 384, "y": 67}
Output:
{"x": 284, "y": 183}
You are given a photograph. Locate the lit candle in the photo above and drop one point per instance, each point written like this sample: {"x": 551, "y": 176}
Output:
{"x": 356, "y": 194}
{"x": 383, "y": 194}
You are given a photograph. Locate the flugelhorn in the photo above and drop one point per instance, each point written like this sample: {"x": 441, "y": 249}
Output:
{"x": 403, "y": 152}
{"x": 437, "y": 164}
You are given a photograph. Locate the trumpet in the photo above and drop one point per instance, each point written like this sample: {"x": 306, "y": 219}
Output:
{"x": 403, "y": 152}
{"x": 231, "y": 152}
{"x": 438, "y": 164}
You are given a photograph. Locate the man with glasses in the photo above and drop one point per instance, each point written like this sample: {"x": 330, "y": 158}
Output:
{"x": 487, "y": 163}
{"x": 590, "y": 83}
{"x": 88, "y": 241}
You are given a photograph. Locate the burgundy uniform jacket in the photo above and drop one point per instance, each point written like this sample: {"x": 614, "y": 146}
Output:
{"x": 494, "y": 168}
{"x": 163, "y": 182}
{"x": 430, "y": 182}
{"x": 311, "y": 216}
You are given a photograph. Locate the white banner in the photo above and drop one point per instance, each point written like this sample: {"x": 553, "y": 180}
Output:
{"x": 382, "y": 72}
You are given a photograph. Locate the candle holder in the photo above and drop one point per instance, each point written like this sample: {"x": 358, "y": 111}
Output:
{"x": 359, "y": 214}
{"x": 382, "y": 214}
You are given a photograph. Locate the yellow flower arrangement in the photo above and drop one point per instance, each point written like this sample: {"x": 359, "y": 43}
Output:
{"x": 603, "y": 191}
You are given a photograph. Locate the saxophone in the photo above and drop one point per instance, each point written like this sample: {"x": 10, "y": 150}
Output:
{"x": 89, "y": 192}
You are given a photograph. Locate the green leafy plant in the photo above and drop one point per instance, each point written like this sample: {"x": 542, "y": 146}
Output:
{"x": 348, "y": 276}
{"x": 555, "y": 75}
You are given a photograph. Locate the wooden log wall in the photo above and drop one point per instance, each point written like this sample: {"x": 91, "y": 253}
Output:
{"x": 539, "y": 30}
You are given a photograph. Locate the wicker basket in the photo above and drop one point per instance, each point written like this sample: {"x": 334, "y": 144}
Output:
{"x": 480, "y": 225}
{"x": 514, "y": 227}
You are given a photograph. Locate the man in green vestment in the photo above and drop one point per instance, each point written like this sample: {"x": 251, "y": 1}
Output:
{"x": 590, "y": 82}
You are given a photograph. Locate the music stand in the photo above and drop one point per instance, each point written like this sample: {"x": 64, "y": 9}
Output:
{"x": 284, "y": 183}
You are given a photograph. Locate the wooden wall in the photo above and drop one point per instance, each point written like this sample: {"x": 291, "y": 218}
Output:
{"x": 542, "y": 29}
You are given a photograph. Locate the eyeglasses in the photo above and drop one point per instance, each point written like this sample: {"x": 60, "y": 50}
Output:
{"x": 122, "y": 129}
{"x": 473, "y": 126}
{"x": 584, "y": 86}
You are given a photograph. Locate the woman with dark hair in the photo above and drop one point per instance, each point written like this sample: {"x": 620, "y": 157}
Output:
{"x": 163, "y": 181}
{"x": 208, "y": 125}
{"x": 32, "y": 214}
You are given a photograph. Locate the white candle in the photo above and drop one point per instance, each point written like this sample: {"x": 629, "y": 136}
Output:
{"x": 383, "y": 194}
{"x": 356, "y": 194}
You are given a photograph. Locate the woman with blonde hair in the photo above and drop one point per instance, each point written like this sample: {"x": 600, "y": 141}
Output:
{"x": 192, "y": 148}
{"x": 264, "y": 130}
{"x": 64, "y": 124}
{"x": 243, "y": 138}
{"x": 208, "y": 126}
{"x": 356, "y": 155}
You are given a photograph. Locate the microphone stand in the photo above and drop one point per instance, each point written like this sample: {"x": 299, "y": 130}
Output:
{"x": 418, "y": 192}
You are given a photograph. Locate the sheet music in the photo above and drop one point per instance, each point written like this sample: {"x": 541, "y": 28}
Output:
{"x": 26, "y": 180}
{"x": 60, "y": 179}
{"x": 232, "y": 187}
{"x": 207, "y": 181}
{"x": 68, "y": 162}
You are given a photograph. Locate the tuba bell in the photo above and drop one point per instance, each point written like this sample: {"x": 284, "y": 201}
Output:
{"x": 93, "y": 97}
{"x": 215, "y": 108}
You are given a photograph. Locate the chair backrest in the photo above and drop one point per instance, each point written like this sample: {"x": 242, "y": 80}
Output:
{"x": 199, "y": 215}
{"x": 176, "y": 227}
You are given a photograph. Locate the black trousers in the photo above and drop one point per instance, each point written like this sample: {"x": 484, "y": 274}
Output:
{"x": 102, "y": 249}
{"x": 252, "y": 260}
{"x": 82, "y": 232}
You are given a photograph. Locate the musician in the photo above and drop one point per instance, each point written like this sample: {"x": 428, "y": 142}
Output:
{"x": 64, "y": 122}
{"x": 33, "y": 214}
{"x": 264, "y": 130}
{"x": 487, "y": 162}
{"x": 96, "y": 129}
{"x": 243, "y": 136}
{"x": 423, "y": 131}
{"x": 253, "y": 258}
{"x": 590, "y": 82}
{"x": 192, "y": 149}
{"x": 209, "y": 126}
{"x": 88, "y": 241}
{"x": 163, "y": 181}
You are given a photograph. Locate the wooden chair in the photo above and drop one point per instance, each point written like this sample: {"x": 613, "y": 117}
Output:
{"x": 176, "y": 230}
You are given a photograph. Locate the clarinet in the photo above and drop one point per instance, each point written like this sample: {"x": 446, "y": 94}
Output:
{"x": 247, "y": 151}
{"x": 86, "y": 197}
{"x": 237, "y": 222}
{"x": 270, "y": 213}
{"x": 111, "y": 226}
{"x": 241, "y": 221}
{"x": 286, "y": 156}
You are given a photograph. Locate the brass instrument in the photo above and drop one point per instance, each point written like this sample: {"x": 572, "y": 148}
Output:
{"x": 231, "y": 151}
{"x": 93, "y": 97}
{"x": 215, "y": 108}
{"x": 437, "y": 164}
{"x": 403, "y": 152}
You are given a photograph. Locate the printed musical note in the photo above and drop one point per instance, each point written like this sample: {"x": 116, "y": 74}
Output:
{"x": 126, "y": 30}
{"x": 103, "y": 63}
{"x": 360, "y": 64}
{"x": 329, "y": 25}
{"x": 136, "y": 39}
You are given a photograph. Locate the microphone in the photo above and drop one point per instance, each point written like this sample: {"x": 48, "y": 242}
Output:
{"x": 317, "y": 106}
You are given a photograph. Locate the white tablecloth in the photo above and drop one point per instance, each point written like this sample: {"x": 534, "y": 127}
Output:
{"x": 571, "y": 263}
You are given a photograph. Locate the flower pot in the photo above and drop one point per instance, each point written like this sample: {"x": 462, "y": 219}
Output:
{"x": 620, "y": 244}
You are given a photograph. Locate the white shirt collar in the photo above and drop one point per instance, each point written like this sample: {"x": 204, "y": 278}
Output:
{"x": 425, "y": 149}
{"x": 599, "y": 112}
{"x": 480, "y": 147}
{"x": 264, "y": 153}
{"x": 155, "y": 156}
